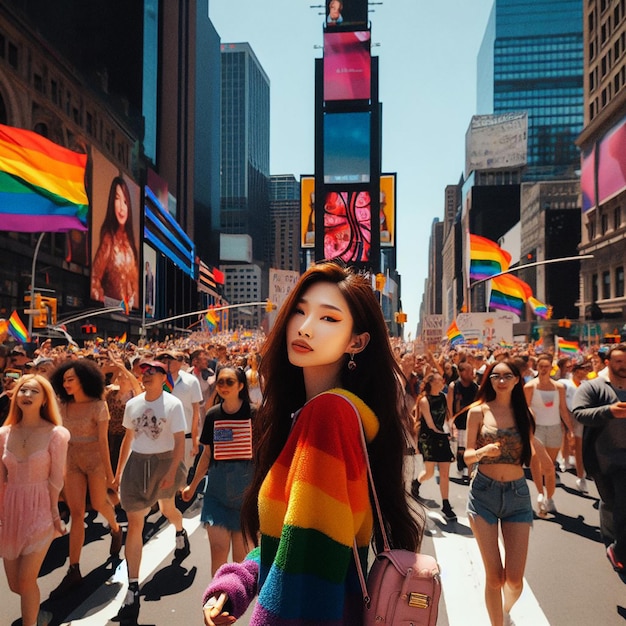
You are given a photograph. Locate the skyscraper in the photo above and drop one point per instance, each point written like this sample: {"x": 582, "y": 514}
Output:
{"x": 531, "y": 59}
{"x": 284, "y": 243}
{"x": 245, "y": 147}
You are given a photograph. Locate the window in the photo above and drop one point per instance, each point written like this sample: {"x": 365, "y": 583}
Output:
{"x": 617, "y": 217}
{"x": 604, "y": 220}
{"x": 619, "y": 282}
{"x": 606, "y": 285}
{"x": 594, "y": 288}
{"x": 13, "y": 55}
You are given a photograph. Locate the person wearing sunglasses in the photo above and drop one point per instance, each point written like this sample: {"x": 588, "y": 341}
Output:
{"x": 150, "y": 470}
{"x": 500, "y": 430}
{"x": 227, "y": 454}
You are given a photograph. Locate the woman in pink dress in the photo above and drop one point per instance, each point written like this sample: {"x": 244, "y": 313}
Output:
{"x": 33, "y": 445}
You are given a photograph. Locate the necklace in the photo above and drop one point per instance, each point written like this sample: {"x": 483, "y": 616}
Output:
{"x": 25, "y": 438}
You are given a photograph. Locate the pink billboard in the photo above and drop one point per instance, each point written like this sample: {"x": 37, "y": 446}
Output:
{"x": 612, "y": 163}
{"x": 347, "y": 65}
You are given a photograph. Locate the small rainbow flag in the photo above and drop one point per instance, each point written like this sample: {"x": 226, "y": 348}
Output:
{"x": 168, "y": 385}
{"x": 42, "y": 184}
{"x": 125, "y": 306}
{"x": 454, "y": 335}
{"x": 509, "y": 293}
{"x": 539, "y": 308}
{"x": 568, "y": 347}
{"x": 17, "y": 329}
{"x": 486, "y": 258}
{"x": 211, "y": 320}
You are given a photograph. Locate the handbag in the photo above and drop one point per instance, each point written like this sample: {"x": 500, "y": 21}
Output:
{"x": 402, "y": 587}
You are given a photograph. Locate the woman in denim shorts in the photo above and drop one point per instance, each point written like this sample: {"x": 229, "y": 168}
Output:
{"x": 500, "y": 429}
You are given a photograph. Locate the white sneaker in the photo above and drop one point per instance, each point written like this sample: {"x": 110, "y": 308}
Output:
{"x": 581, "y": 485}
{"x": 541, "y": 505}
{"x": 550, "y": 506}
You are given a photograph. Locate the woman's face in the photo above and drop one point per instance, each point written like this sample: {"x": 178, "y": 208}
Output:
{"x": 30, "y": 395}
{"x": 334, "y": 9}
{"x": 436, "y": 384}
{"x": 502, "y": 378}
{"x": 71, "y": 384}
{"x": 544, "y": 367}
{"x": 320, "y": 329}
{"x": 121, "y": 206}
{"x": 228, "y": 385}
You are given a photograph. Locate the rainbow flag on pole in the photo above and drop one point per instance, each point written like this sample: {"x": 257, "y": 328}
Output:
{"x": 486, "y": 258}
{"x": 17, "y": 329}
{"x": 454, "y": 334}
{"x": 42, "y": 184}
{"x": 211, "y": 320}
{"x": 509, "y": 293}
{"x": 567, "y": 347}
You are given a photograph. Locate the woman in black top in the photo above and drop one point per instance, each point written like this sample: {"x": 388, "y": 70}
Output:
{"x": 227, "y": 454}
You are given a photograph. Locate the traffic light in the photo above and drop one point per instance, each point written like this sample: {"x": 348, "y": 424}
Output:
{"x": 269, "y": 306}
{"x": 38, "y": 311}
{"x": 51, "y": 305}
{"x": 381, "y": 279}
{"x": 549, "y": 313}
{"x": 89, "y": 329}
{"x": 531, "y": 256}
{"x": 400, "y": 317}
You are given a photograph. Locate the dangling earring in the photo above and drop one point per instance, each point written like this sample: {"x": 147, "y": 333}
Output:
{"x": 352, "y": 362}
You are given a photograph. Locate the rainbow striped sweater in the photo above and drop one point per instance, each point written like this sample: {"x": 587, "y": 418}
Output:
{"x": 312, "y": 504}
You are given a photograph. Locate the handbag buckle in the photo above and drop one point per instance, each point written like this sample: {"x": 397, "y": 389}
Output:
{"x": 419, "y": 600}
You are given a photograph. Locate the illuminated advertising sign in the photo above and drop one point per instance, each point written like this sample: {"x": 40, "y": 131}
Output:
{"x": 387, "y": 211}
{"x": 342, "y": 13}
{"x": 347, "y": 65}
{"x": 587, "y": 179}
{"x": 116, "y": 203}
{"x": 307, "y": 212}
{"x": 150, "y": 280}
{"x": 347, "y": 148}
{"x": 348, "y": 226}
{"x": 612, "y": 163}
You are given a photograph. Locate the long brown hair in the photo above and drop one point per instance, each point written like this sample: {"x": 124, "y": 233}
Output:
{"x": 376, "y": 380}
{"x": 49, "y": 409}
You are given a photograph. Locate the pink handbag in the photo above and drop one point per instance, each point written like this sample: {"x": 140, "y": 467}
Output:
{"x": 403, "y": 587}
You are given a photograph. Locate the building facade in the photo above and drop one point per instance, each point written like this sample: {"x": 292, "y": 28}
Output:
{"x": 284, "y": 240}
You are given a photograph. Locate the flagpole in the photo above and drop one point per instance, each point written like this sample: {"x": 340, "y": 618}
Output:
{"x": 32, "y": 283}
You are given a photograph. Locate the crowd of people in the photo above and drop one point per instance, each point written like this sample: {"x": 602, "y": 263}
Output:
{"x": 267, "y": 429}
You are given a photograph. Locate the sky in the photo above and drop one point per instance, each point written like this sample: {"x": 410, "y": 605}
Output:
{"x": 427, "y": 67}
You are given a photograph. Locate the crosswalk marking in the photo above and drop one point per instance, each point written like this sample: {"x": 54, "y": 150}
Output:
{"x": 104, "y": 604}
{"x": 463, "y": 579}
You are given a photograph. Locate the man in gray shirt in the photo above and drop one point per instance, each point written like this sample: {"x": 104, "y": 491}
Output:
{"x": 600, "y": 405}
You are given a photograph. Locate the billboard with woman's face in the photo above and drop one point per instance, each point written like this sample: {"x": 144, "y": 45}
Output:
{"x": 115, "y": 258}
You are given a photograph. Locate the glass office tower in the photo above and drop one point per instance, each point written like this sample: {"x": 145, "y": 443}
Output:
{"x": 245, "y": 147}
{"x": 531, "y": 59}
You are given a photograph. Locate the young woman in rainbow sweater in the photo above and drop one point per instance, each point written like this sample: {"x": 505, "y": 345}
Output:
{"x": 328, "y": 370}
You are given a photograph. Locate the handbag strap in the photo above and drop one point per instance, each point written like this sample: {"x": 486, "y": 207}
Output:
{"x": 359, "y": 567}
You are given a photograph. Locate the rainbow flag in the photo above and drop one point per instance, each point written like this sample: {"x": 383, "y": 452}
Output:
{"x": 211, "y": 320}
{"x": 168, "y": 385}
{"x": 42, "y": 184}
{"x": 17, "y": 329}
{"x": 539, "y": 308}
{"x": 125, "y": 306}
{"x": 454, "y": 334}
{"x": 486, "y": 258}
{"x": 567, "y": 347}
{"x": 509, "y": 293}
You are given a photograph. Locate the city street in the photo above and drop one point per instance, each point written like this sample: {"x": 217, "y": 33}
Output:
{"x": 568, "y": 579}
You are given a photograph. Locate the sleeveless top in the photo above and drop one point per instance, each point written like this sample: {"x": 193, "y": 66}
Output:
{"x": 510, "y": 444}
{"x": 463, "y": 396}
{"x": 545, "y": 407}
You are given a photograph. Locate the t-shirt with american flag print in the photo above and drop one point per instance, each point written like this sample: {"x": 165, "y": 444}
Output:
{"x": 229, "y": 435}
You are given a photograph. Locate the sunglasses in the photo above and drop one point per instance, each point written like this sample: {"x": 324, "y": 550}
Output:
{"x": 151, "y": 371}
{"x": 222, "y": 382}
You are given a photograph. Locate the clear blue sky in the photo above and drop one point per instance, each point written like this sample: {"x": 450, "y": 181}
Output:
{"x": 427, "y": 55}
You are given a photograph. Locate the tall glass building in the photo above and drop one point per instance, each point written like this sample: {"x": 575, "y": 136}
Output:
{"x": 531, "y": 59}
{"x": 245, "y": 147}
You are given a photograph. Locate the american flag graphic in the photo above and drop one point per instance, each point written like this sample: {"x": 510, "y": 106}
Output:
{"x": 232, "y": 440}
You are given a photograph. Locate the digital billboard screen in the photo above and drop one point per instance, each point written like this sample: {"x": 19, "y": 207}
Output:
{"x": 348, "y": 226}
{"x": 342, "y": 13}
{"x": 347, "y": 65}
{"x": 307, "y": 212}
{"x": 347, "y": 148}
{"x": 612, "y": 163}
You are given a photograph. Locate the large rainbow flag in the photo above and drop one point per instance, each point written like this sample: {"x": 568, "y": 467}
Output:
{"x": 42, "y": 184}
{"x": 486, "y": 258}
{"x": 509, "y": 293}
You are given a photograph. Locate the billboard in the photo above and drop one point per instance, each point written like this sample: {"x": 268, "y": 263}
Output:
{"x": 116, "y": 204}
{"x": 588, "y": 179}
{"x": 387, "y": 210}
{"x": 307, "y": 211}
{"x": 496, "y": 141}
{"x": 236, "y": 248}
{"x": 347, "y": 145}
{"x": 611, "y": 156}
{"x": 347, "y": 226}
{"x": 342, "y": 13}
{"x": 487, "y": 329}
{"x": 347, "y": 65}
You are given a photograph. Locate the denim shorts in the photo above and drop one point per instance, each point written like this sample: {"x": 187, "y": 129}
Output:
{"x": 494, "y": 500}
